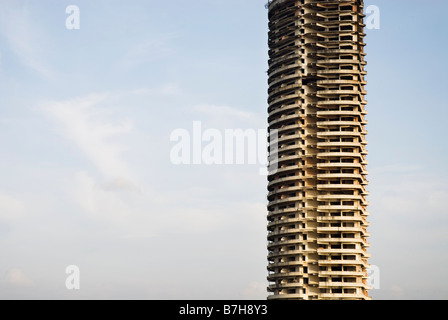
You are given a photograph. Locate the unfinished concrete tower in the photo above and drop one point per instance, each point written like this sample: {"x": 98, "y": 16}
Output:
{"x": 317, "y": 228}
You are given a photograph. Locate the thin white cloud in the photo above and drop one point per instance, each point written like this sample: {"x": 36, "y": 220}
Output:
{"x": 255, "y": 291}
{"x": 118, "y": 184}
{"x": 224, "y": 117}
{"x": 139, "y": 213}
{"x": 102, "y": 205}
{"x": 80, "y": 120}
{"x": 11, "y": 208}
{"x": 409, "y": 195}
{"x": 17, "y": 278}
{"x": 169, "y": 89}
{"x": 147, "y": 51}
{"x": 396, "y": 292}
{"x": 25, "y": 38}
{"x": 223, "y": 111}
{"x": 121, "y": 200}
{"x": 408, "y": 212}
{"x": 398, "y": 169}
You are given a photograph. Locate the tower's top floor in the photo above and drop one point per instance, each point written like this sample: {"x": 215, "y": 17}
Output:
{"x": 271, "y": 3}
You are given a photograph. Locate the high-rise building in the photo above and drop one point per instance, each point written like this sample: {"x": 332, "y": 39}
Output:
{"x": 317, "y": 210}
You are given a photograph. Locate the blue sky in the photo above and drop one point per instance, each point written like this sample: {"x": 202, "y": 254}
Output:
{"x": 85, "y": 123}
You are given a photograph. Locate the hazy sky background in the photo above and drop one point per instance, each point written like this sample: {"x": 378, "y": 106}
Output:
{"x": 86, "y": 177}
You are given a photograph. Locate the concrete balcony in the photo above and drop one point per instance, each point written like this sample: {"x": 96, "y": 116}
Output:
{"x": 338, "y": 51}
{"x": 341, "y": 262}
{"x": 360, "y": 209}
{"x": 342, "y": 273}
{"x": 284, "y": 118}
{"x": 312, "y": 35}
{"x": 280, "y": 43}
{"x": 284, "y": 190}
{"x": 364, "y": 192}
{"x": 323, "y": 197}
{"x": 284, "y": 99}
{"x": 294, "y": 296}
{"x": 339, "y": 186}
{"x": 284, "y": 264}
{"x": 340, "y": 229}
{"x": 272, "y": 277}
{"x": 339, "y": 208}
{"x": 282, "y": 180}
{"x": 284, "y": 232}
{"x": 275, "y": 215}
{"x": 282, "y": 18}
{"x": 285, "y": 149}
{"x": 325, "y": 62}
{"x": 285, "y": 200}
{"x": 281, "y": 51}
{"x": 275, "y": 62}
{"x": 281, "y": 286}
{"x": 283, "y": 211}
{"x": 329, "y": 241}
{"x": 324, "y": 124}
{"x": 283, "y": 159}
{"x": 366, "y": 255}
{"x": 324, "y": 93}
{"x": 279, "y": 80}
{"x": 284, "y": 138}
{"x": 285, "y": 253}
{"x": 339, "y": 71}
{"x": 341, "y": 251}
{"x": 287, "y": 128}
{"x": 338, "y": 218}
{"x": 287, "y": 169}
{"x": 284, "y": 109}
{"x": 284, "y": 221}
{"x": 275, "y": 34}
{"x": 283, "y": 89}
{"x": 279, "y": 70}
{"x": 339, "y": 175}
{"x": 323, "y": 155}
{"x": 283, "y": 47}
{"x": 336, "y": 165}
{"x": 348, "y": 296}
{"x": 336, "y": 82}
{"x": 279, "y": 38}
{"x": 307, "y": 229}
{"x": 325, "y": 134}
{"x": 338, "y": 112}
{"x": 308, "y": 177}
{"x": 342, "y": 285}
{"x": 276, "y": 244}
{"x": 326, "y": 103}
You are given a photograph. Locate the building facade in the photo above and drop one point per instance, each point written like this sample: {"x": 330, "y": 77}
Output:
{"x": 317, "y": 209}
